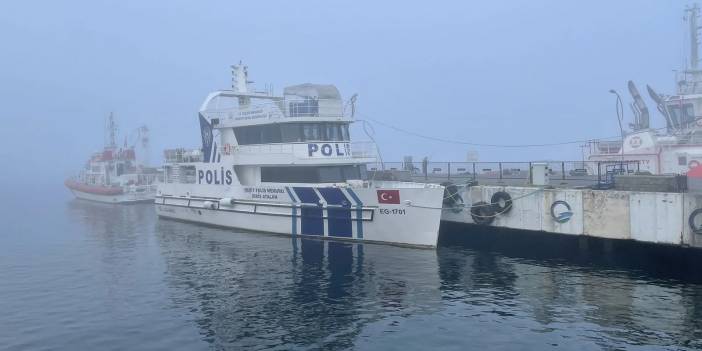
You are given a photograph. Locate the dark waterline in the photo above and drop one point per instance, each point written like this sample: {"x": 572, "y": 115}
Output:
{"x": 79, "y": 275}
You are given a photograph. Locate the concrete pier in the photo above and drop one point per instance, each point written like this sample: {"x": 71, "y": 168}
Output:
{"x": 652, "y": 217}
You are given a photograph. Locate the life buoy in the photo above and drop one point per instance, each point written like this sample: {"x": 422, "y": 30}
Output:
{"x": 561, "y": 217}
{"x": 691, "y": 221}
{"x": 482, "y": 213}
{"x": 501, "y": 202}
{"x": 692, "y": 164}
{"x": 452, "y": 199}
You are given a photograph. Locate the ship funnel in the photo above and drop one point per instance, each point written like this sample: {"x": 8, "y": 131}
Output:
{"x": 639, "y": 108}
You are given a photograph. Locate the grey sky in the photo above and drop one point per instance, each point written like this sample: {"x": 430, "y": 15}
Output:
{"x": 486, "y": 72}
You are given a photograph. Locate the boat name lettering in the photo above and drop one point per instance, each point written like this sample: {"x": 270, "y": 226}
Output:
{"x": 243, "y": 115}
{"x": 394, "y": 211}
{"x": 214, "y": 176}
{"x": 328, "y": 150}
{"x": 264, "y": 193}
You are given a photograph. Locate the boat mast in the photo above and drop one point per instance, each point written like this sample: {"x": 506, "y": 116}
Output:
{"x": 112, "y": 131}
{"x": 694, "y": 13}
{"x": 240, "y": 82}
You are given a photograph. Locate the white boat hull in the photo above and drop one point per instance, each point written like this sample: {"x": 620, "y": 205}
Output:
{"x": 415, "y": 221}
{"x": 124, "y": 198}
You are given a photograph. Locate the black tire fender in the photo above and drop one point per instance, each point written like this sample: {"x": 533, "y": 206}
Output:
{"x": 452, "y": 199}
{"x": 501, "y": 202}
{"x": 482, "y": 213}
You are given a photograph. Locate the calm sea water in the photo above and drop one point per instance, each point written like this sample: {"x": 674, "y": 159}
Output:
{"x": 83, "y": 276}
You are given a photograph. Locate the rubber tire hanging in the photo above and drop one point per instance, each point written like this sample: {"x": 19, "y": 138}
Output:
{"x": 452, "y": 199}
{"x": 482, "y": 213}
{"x": 498, "y": 198}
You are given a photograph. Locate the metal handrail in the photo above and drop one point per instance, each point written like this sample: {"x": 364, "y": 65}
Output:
{"x": 284, "y": 108}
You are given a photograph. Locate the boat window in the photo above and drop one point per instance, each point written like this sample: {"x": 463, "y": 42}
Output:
{"x": 681, "y": 115}
{"x": 271, "y": 134}
{"x": 291, "y": 132}
{"x": 330, "y": 175}
{"x": 682, "y": 160}
{"x": 307, "y": 107}
{"x": 180, "y": 174}
{"x": 345, "y": 132}
{"x": 311, "y": 132}
{"x": 312, "y": 174}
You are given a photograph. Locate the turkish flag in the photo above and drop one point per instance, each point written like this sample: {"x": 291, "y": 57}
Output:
{"x": 388, "y": 196}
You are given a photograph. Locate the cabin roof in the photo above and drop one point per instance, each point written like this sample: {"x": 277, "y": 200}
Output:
{"x": 319, "y": 91}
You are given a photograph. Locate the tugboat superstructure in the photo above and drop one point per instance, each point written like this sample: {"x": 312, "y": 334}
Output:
{"x": 113, "y": 175}
{"x": 286, "y": 164}
{"x": 677, "y": 147}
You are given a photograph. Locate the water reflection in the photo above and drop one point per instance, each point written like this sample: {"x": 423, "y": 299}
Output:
{"x": 244, "y": 290}
{"x": 259, "y": 291}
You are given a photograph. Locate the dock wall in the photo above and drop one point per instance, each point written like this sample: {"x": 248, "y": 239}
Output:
{"x": 654, "y": 217}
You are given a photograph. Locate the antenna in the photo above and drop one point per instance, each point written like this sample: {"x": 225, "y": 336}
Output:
{"x": 240, "y": 78}
{"x": 144, "y": 138}
{"x": 112, "y": 131}
{"x": 694, "y": 13}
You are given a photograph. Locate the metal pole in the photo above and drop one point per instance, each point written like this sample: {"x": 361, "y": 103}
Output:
{"x": 474, "y": 175}
{"x": 500, "y": 164}
{"x": 563, "y": 169}
{"x": 449, "y": 171}
{"x": 620, "y": 117}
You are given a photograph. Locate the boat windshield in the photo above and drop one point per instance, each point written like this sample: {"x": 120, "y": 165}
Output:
{"x": 291, "y": 133}
{"x": 681, "y": 115}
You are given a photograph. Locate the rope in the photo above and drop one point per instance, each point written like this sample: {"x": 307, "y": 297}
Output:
{"x": 460, "y": 142}
{"x": 463, "y": 206}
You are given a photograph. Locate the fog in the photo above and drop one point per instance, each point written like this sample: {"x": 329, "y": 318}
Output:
{"x": 513, "y": 72}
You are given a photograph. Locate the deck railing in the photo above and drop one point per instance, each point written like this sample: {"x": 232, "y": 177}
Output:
{"x": 282, "y": 109}
{"x": 585, "y": 172}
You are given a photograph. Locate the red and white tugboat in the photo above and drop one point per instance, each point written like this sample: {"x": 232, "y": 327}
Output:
{"x": 113, "y": 175}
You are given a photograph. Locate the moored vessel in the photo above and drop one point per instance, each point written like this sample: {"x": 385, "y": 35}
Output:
{"x": 675, "y": 148}
{"x": 286, "y": 165}
{"x": 113, "y": 175}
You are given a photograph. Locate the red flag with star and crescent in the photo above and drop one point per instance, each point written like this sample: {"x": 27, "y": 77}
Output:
{"x": 388, "y": 196}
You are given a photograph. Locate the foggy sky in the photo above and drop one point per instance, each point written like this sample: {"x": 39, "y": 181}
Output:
{"x": 505, "y": 72}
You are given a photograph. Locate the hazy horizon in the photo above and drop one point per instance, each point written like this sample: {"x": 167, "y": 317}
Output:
{"x": 518, "y": 72}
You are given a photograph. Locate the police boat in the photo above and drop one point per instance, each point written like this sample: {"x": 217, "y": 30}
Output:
{"x": 286, "y": 165}
{"x": 114, "y": 175}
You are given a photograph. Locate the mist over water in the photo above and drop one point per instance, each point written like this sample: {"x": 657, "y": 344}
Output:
{"x": 517, "y": 72}
{"x": 81, "y": 275}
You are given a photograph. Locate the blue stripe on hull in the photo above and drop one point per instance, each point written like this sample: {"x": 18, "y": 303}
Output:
{"x": 359, "y": 214}
{"x": 311, "y": 217}
{"x": 339, "y": 219}
{"x": 294, "y": 211}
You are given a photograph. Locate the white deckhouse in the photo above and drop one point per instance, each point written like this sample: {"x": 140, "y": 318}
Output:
{"x": 286, "y": 164}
